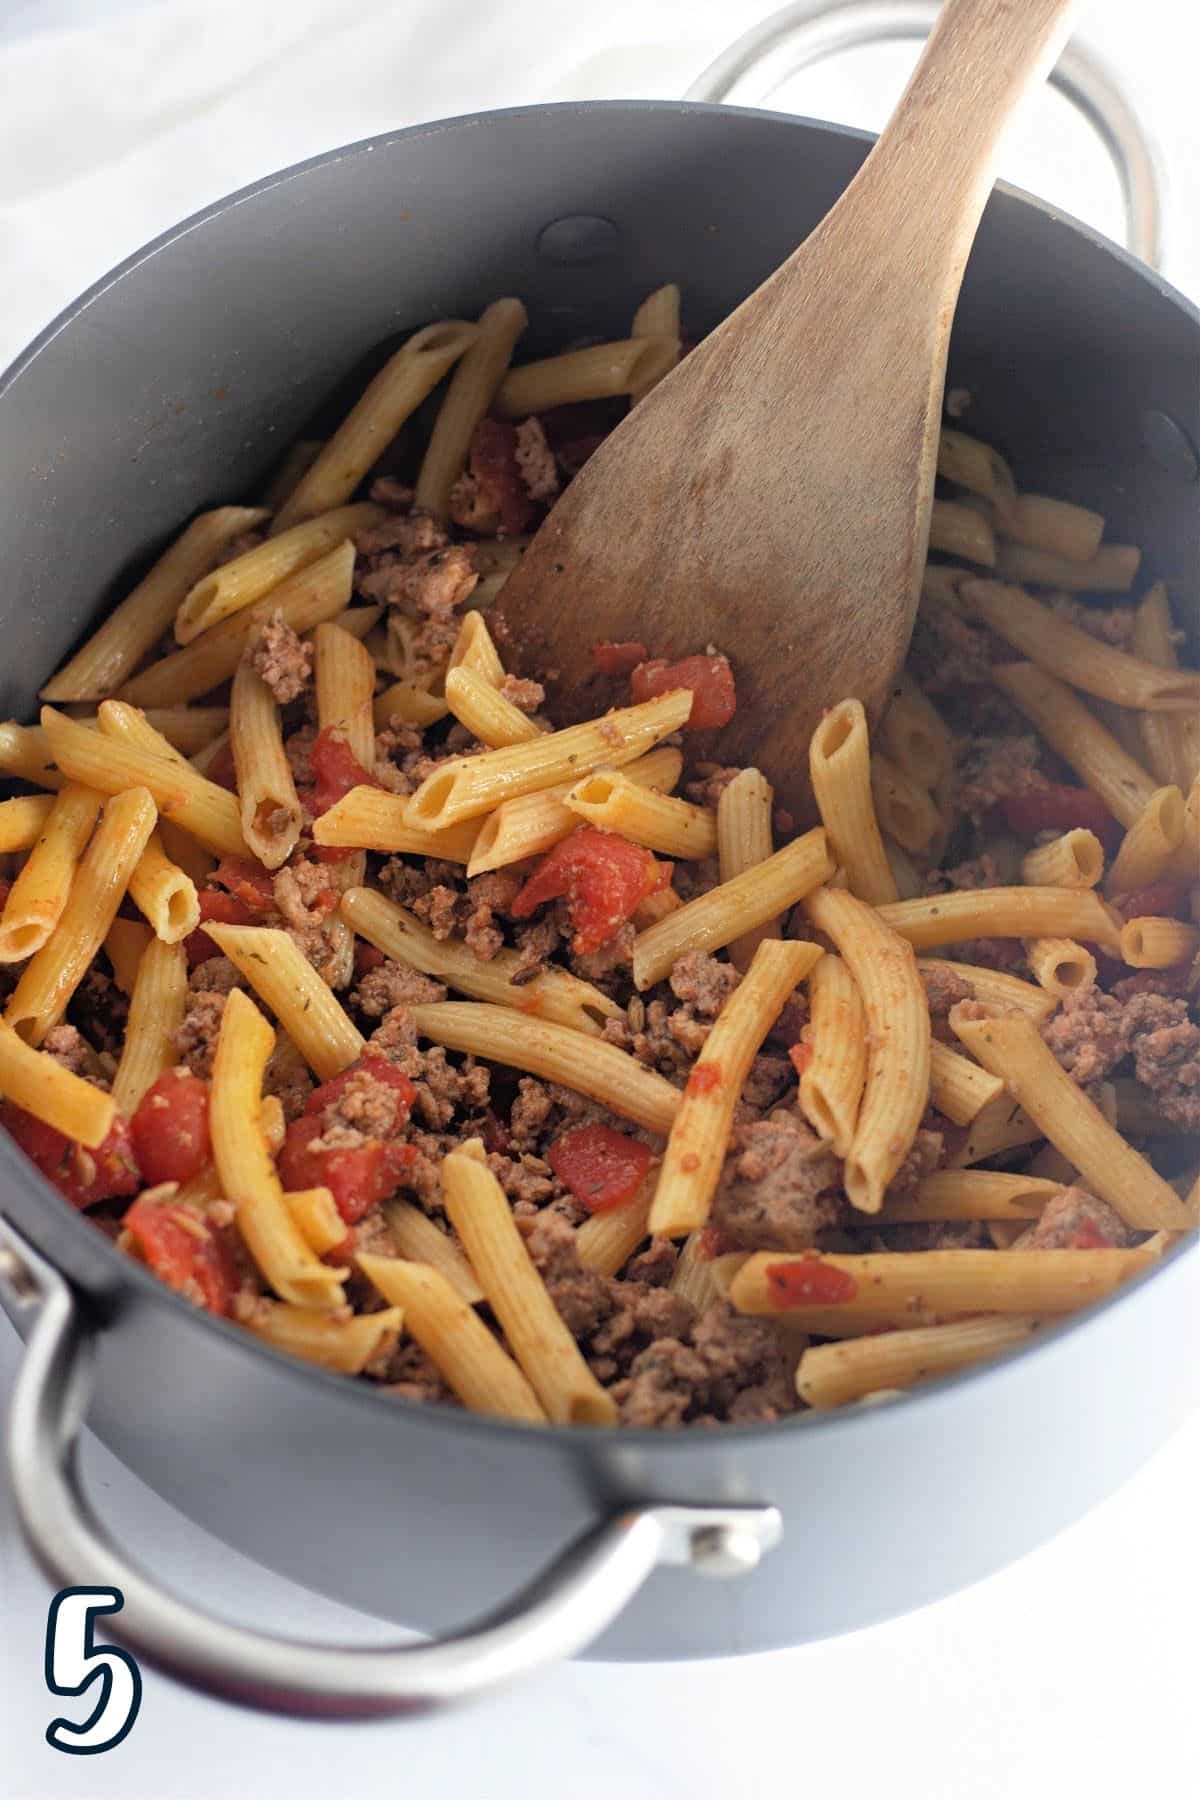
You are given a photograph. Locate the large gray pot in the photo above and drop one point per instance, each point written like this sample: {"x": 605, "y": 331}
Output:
{"x": 169, "y": 387}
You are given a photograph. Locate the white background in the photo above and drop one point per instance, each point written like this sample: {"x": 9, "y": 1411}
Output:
{"x": 1072, "y": 1673}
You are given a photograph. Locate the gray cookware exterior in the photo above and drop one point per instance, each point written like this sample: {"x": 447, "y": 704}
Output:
{"x": 172, "y": 385}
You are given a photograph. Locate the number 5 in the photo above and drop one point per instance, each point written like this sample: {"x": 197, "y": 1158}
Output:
{"x": 74, "y": 1661}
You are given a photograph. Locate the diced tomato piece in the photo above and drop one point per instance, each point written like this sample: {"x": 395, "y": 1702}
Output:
{"x": 605, "y": 879}
{"x": 81, "y": 1176}
{"x": 170, "y": 1128}
{"x": 1158, "y": 900}
{"x": 603, "y": 1168}
{"x": 705, "y": 1078}
{"x": 801, "y": 1056}
{"x": 358, "y": 1179}
{"x": 1058, "y": 807}
{"x": 810, "y": 1282}
{"x": 185, "y": 1252}
{"x": 384, "y": 1073}
{"x": 222, "y": 769}
{"x": 226, "y": 909}
{"x": 714, "y": 698}
{"x": 248, "y": 882}
{"x": 493, "y": 463}
{"x": 618, "y": 659}
{"x": 366, "y": 958}
{"x": 335, "y": 769}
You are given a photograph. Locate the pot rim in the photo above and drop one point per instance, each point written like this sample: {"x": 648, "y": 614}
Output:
{"x": 124, "y": 1268}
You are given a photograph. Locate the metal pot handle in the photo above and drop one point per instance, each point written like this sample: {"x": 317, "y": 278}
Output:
{"x": 810, "y": 31}
{"x": 560, "y": 1612}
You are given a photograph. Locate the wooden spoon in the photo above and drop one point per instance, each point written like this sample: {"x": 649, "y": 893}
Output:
{"x": 772, "y": 495}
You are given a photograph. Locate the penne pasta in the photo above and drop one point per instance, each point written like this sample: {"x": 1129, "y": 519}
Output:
{"x": 125, "y": 944}
{"x": 555, "y": 1053}
{"x": 1110, "y": 571}
{"x": 467, "y": 399}
{"x": 286, "y": 982}
{"x": 745, "y": 839}
{"x": 42, "y": 1086}
{"x": 605, "y": 1242}
{"x": 367, "y": 430}
{"x": 367, "y": 818}
{"x": 1074, "y": 860}
{"x": 316, "y": 1336}
{"x": 832, "y": 1374}
{"x": 831, "y": 1086}
{"x": 411, "y": 705}
{"x": 1003, "y": 912}
{"x": 248, "y": 578}
{"x": 914, "y": 734}
{"x": 657, "y": 316}
{"x": 1012, "y": 1048}
{"x": 839, "y": 761}
{"x": 898, "y": 1044}
{"x": 317, "y": 1219}
{"x": 1056, "y": 526}
{"x": 268, "y": 803}
{"x": 1150, "y": 845}
{"x": 532, "y": 1325}
{"x": 1155, "y": 943}
{"x": 554, "y": 994}
{"x": 1060, "y": 965}
{"x": 958, "y": 1087}
{"x": 609, "y": 799}
{"x": 40, "y": 997}
{"x": 467, "y": 786}
{"x": 474, "y": 649}
{"x": 38, "y": 897}
{"x": 534, "y": 823}
{"x": 345, "y": 683}
{"x": 968, "y": 463}
{"x": 959, "y": 530}
{"x": 701, "y": 1278}
{"x": 485, "y": 712}
{"x": 164, "y": 894}
{"x": 1079, "y": 738}
{"x": 714, "y": 919}
{"x": 23, "y": 820}
{"x": 25, "y": 753}
{"x": 699, "y": 1137}
{"x": 186, "y": 853}
{"x": 1000, "y": 1127}
{"x": 156, "y": 1009}
{"x": 114, "y": 651}
{"x": 297, "y": 462}
{"x": 455, "y": 1339}
{"x": 1163, "y": 737}
{"x": 971, "y": 1194}
{"x": 418, "y": 1239}
{"x": 600, "y": 372}
{"x": 903, "y": 807}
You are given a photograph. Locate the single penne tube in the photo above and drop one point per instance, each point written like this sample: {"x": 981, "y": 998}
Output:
{"x": 943, "y": 1283}
{"x": 164, "y": 894}
{"x": 584, "y": 1064}
{"x": 959, "y": 530}
{"x": 1058, "y": 527}
{"x": 244, "y": 1162}
{"x": 1012, "y": 1048}
{"x": 940, "y": 584}
{"x": 38, "y": 897}
{"x": 418, "y": 1239}
{"x": 534, "y": 823}
{"x": 904, "y": 809}
{"x": 1154, "y": 943}
{"x": 346, "y": 1345}
{"x": 25, "y": 753}
{"x": 286, "y": 982}
{"x": 898, "y": 1041}
{"x": 1060, "y": 965}
{"x": 701, "y": 1278}
{"x": 971, "y": 464}
{"x": 995, "y": 986}
{"x": 971, "y": 1194}
{"x": 914, "y": 734}
{"x": 345, "y": 681}
{"x": 322, "y": 590}
{"x": 658, "y": 316}
{"x": 1078, "y": 737}
{"x": 1150, "y": 845}
{"x": 131, "y": 725}
{"x": 958, "y": 1087}
{"x": 1122, "y": 723}
{"x": 207, "y": 812}
{"x": 999, "y": 1127}
{"x": 455, "y": 1339}
{"x": 1110, "y": 571}
{"x": 605, "y": 1242}
{"x": 369, "y": 427}
{"x": 555, "y": 994}
{"x": 467, "y": 786}
{"x": 317, "y": 1219}
{"x": 368, "y": 818}
{"x": 1009, "y": 912}
{"x": 608, "y": 798}
{"x": 831, "y": 1086}
{"x": 600, "y": 372}
{"x": 744, "y": 840}
{"x": 51, "y": 977}
{"x": 833, "y": 1374}
{"x": 839, "y": 762}
{"x": 296, "y": 462}
{"x": 411, "y": 705}
{"x": 188, "y": 729}
{"x": 1074, "y": 860}
{"x": 240, "y": 583}
{"x": 40, "y": 1085}
{"x": 467, "y": 399}
{"x": 485, "y": 712}
{"x": 534, "y": 1329}
{"x": 905, "y": 873}
{"x": 1162, "y": 736}
{"x": 699, "y": 1138}
{"x": 726, "y": 912}
{"x": 474, "y": 649}
{"x": 267, "y": 799}
{"x": 131, "y": 632}
{"x": 125, "y": 944}
{"x": 23, "y": 820}
{"x": 1075, "y": 656}
{"x": 186, "y": 853}
{"x": 1187, "y": 857}
{"x": 156, "y": 1009}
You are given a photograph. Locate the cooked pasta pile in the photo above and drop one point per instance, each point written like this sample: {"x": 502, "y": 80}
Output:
{"x": 554, "y": 1073}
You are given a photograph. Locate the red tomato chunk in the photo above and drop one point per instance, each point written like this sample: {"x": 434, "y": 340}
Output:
{"x": 714, "y": 698}
{"x": 336, "y": 770}
{"x": 185, "y": 1252}
{"x": 1058, "y": 808}
{"x": 810, "y": 1282}
{"x": 603, "y": 1168}
{"x": 604, "y": 877}
{"x": 248, "y": 882}
{"x": 618, "y": 659}
{"x": 357, "y": 1178}
{"x": 223, "y": 909}
{"x": 170, "y": 1128}
{"x": 81, "y": 1176}
{"x": 493, "y": 464}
